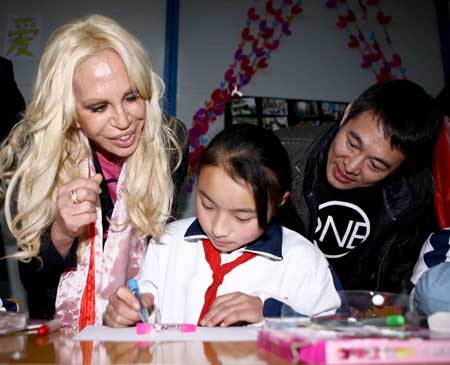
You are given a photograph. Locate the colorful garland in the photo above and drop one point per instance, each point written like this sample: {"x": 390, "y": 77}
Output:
{"x": 372, "y": 55}
{"x": 262, "y": 34}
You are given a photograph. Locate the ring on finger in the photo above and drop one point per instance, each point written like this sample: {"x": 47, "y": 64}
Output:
{"x": 73, "y": 196}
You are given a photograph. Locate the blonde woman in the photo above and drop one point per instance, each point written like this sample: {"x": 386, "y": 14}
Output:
{"x": 87, "y": 174}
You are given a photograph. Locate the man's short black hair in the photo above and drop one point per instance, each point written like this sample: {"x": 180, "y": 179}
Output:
{"x": 408, "y": 115}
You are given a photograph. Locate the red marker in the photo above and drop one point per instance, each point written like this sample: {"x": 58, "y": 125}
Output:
{"x": 49, "y": 327}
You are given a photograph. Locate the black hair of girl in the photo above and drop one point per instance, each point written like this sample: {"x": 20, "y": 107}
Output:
{"x": 253, "y": 156}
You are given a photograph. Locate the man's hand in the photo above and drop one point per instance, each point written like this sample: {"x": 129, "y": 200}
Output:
{"x": 123, "y": 308}
{"x": 233, "y": 308}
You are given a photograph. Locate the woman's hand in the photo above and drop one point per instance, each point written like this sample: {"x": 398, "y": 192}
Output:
{"x": 76, "y": 209}
{"x": 123, "y": 308}
{"x": 233, "y": 308}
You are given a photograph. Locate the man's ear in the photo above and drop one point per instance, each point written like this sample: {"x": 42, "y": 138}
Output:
{"x": 285, "y": 198}
{"x": 347, "y": 110}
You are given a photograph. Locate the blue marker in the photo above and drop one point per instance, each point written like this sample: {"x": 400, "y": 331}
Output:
{"x": 133, "y": 286}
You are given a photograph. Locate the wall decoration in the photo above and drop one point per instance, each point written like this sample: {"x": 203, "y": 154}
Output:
{"x": 266, "y": 24}
{"x": 274, "y": 113}
{"x": 373, "y": 44}
{"x": 23, "y": 37}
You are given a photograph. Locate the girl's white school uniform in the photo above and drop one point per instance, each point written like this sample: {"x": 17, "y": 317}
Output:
{"x": 295, "y": 272}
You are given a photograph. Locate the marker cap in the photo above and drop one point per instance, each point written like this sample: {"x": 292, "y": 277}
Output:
{"x": 143, "y": 328}
{"x": 396, "y": 320}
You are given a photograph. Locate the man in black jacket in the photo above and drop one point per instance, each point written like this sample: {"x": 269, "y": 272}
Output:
{"x": 363, "y": 189}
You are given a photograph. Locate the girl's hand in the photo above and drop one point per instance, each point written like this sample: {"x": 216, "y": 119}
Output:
{"x": 123, "y": 308}
{"x": 232, "y": 308}
{"x": 75, "y": 204}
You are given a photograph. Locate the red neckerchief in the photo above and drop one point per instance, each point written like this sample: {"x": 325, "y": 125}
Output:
{"x": 212, "y": 255}
{"x": 87, "y": 306}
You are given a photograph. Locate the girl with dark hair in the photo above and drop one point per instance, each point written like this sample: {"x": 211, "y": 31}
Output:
{"x": 220, "y": 267}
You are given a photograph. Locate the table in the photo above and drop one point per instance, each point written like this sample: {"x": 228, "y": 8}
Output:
{"x": 60, "y": 348}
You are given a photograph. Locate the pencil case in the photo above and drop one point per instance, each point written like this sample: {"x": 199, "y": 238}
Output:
{"x": 294, "y": 346}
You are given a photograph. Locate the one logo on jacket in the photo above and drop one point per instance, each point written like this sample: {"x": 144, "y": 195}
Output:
{"x": 341, "y": 227}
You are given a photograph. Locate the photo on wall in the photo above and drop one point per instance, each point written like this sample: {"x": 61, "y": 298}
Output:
{"x": 333, "y": 111}
{"x": 306, "y": 110}
{"x": 274, "y": 113}
{"x": 250, "y": 119}
{"x": 243, "y": 106}
{"x": 274, "y": 106}
{"x": 275, "y": 122}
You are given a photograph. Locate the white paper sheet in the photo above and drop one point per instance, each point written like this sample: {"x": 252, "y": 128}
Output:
{"x": 210, "y": 334}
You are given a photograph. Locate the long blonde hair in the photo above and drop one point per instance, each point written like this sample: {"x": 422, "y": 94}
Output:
{"x": 44, "y": 150}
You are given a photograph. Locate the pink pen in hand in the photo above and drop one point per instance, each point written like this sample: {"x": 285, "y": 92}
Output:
{"x": 49, "y": 327}
{"x": 145, "y": 328}
{"x": 182, "y": 327}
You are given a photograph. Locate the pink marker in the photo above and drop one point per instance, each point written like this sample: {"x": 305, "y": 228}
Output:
{"x": 182, "y": 327}
{"x": 144, "y": 328}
